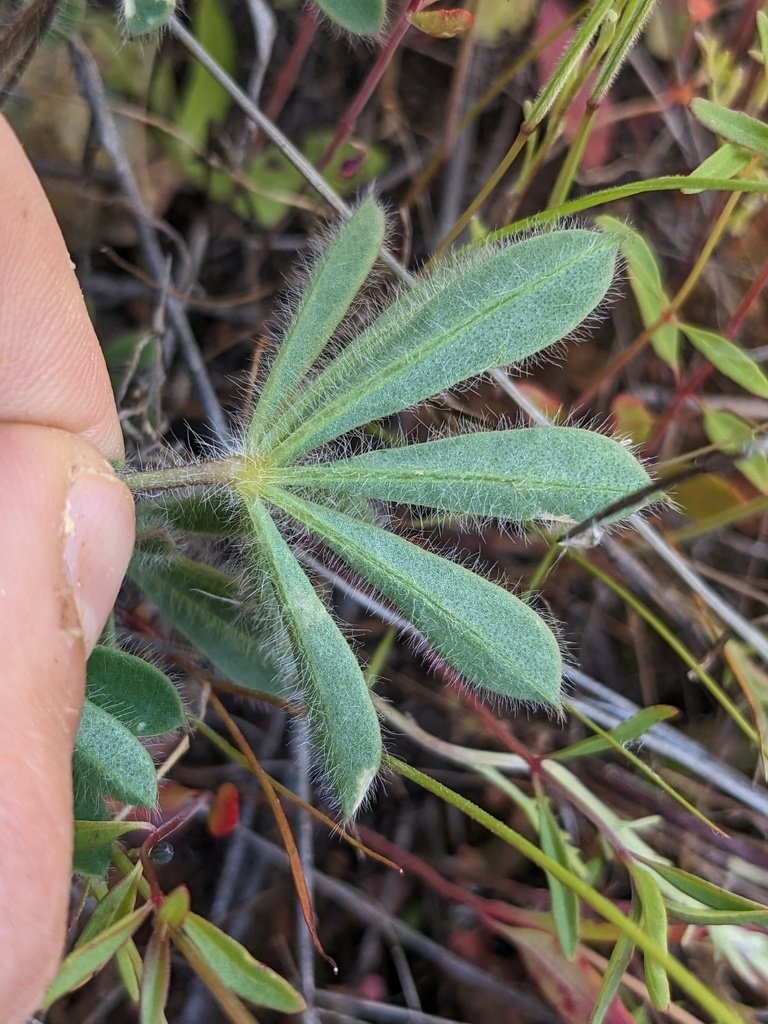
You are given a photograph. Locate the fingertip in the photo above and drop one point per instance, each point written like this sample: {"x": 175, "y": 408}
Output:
{"x": 64, "y": 520}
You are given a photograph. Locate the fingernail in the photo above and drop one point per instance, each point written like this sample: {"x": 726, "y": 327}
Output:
{"x": 98, "y": 540}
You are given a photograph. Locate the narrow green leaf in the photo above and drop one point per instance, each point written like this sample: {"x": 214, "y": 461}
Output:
{"x": 238, "y": 970}
{"x": 647, "y": 288}
{"x": 363, "y": 17}
{"x": 631, "y": 21}
{"x": 214, "y": 514}
{"x": 613, "y": 975}
{"x": 117, "y": 903}
{"x": 155, "y": 978}
{"x": 202, "y": 99}
{"x": 732, "y": 125}
{"x": 341, "y": 715}
{"x": 337, "y": 276}
{"x": 727, "y": 161}
{"x": 128, "y": 967}
{"x": 627, "y": 731}
{"x": 84, "y": 961}
{"x": 90, "y": 835}
{"x": 565, "y": 902}
{"x": 762, "y": 32}
{"x": 729, "y": 359}
{"x": 205, "y": 606}
{"x": 493, "y": 308}
{"x": 139, "y": 695}
{"x": 707, "y": 916}
{"x": 89, "y": 806}
{"x": 174, "y": 909}
{"x": 551, "y": 474}
{"x": 491, "y": 637}
{"x": 654, "y": 919}
{"x": 111, "y": 761}
{"x": 706, "y": 892}
{"x": 734, "y": 435}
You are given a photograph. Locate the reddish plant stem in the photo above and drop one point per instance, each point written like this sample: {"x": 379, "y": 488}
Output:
{"x": 349, "y": 118}
{"x": 289, "y": 73}
{"x": 162, "y": 832}
{"x": 491, "y": 910}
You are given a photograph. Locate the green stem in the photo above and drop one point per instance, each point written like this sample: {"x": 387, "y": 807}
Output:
{"x": 203, "y": 474}
{"x": 696, "y": 989}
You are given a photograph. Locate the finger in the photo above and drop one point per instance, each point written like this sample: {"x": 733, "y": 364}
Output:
{"x": 65, "y": 541}
{"x": 53, "y": 371}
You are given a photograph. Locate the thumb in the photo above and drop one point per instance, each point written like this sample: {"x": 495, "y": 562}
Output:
{"x": 66, "y": 533}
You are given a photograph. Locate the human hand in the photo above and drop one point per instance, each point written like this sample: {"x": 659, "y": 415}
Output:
{"x": 66, "y": 533}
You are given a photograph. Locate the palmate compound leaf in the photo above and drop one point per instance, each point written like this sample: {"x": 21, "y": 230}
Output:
{"x": 550, "y": 474}
{"x": 495, "y": 308}
{"x": 342, "y": 719}
{"x": 490, "y": 637}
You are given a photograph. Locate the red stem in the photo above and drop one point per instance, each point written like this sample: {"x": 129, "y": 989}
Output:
{"x": 355, "y": 108}
{"x": 289, "y": 73}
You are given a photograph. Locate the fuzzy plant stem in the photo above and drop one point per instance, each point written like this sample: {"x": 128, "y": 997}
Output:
{"x": 207, "y": 474}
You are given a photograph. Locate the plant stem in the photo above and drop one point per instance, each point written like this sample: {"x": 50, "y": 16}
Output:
{"x": 349, "y": 118}
{"x": 206, "y": 474}
{"x": 600, "y": 904}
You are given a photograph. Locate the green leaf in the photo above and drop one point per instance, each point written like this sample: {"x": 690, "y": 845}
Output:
{"x": 139, "y": 695}
{"x": 109, "y": 760}
{"x": 155, "y": 978}
{"x": 762, "y": 32}
{"x": 337, "y": 276}
{"x": 565, "y": 903}
{"x": 707, "y": 916}
{"x": 213, "y": 514}
{"x": 494, "y": 308}
{"x": 727, "y": 161}
{"x": 206, "y": 607}
{"x": 491, "y": 637}
{"x": 90, "y": 835}
{"x": 650, "y": 295}
{"x": 706, "y": 892}
{"x": 613, "y": 975}
{"x": 627, "y": 731}
{"x": 729, "y": 359}
{"x": 341, "y": 715}
{"x": 732, "y": 125}
{"x": 362, "y": 17}
{"x": 238, "y": 970}
{"x": 128, "y": 967}
{"x": 203, "y": 100}
{"x": 269, "y": 186}
{"x": 554, "y": 474}
{"x": 117, "y": 903}
{"x": 84, "y": 961}
{"x": 654, "y": 919}
{"x": 141, "y": 17}
{"x": 734, "y": 435}
{"x": 89, "y": 807}
{"x": 174, "y": 909}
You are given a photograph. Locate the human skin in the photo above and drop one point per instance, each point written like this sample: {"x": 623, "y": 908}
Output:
{"x": 66, "y": 534}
